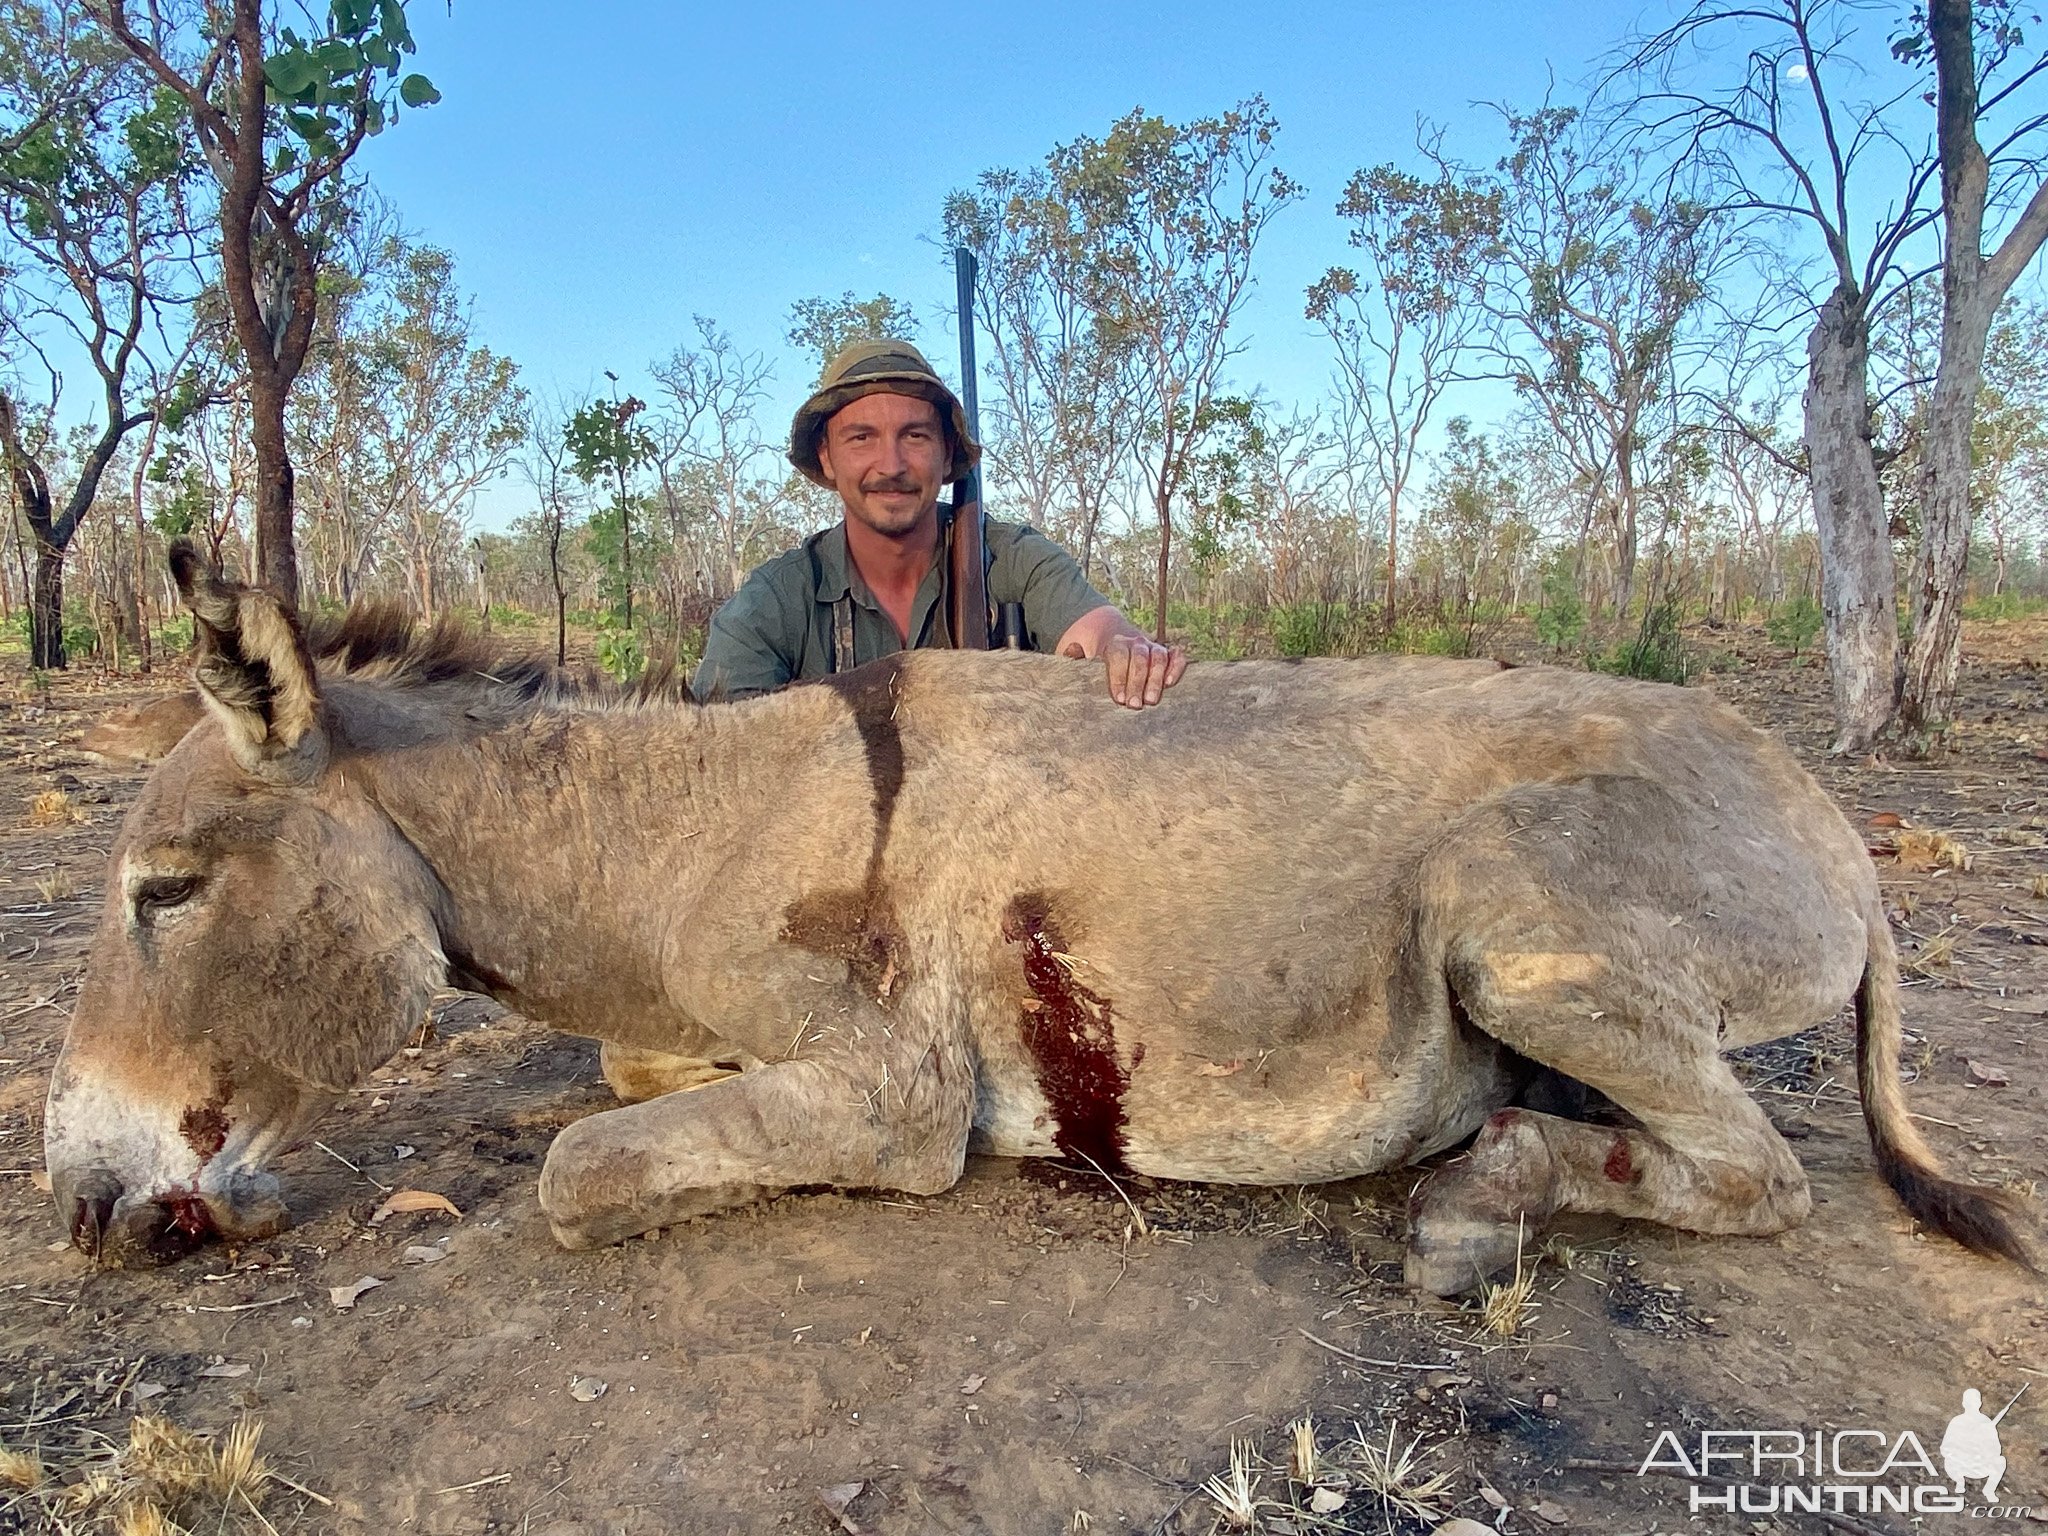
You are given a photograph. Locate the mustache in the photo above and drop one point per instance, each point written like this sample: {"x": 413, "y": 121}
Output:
{"x": 905, "y": 484}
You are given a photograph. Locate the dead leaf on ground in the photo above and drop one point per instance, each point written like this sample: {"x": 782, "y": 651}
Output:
{"x": 41, "y": 1179}
{"x": 1887, "y": 819}
{"x": 1985, "y": 1075}
{"x": 837, "y": 1499}
{"x": 971, "y": 1385}
{"x": 1219, "y": 1068}
{"x": 1492, "y": 1495}
{"x": 1919, "y": 848}
{"x": 587, "y": 1389}
{"x": 1458, "y": 1525}
{"x": 1325, "y": 1501}
{"x": 400, "y": 1201}
{"x": 1553, "y": 1514}
{"x": 420, "y": 1253}
{"x": 344, "y": 1296}
{"x": 226, "y": 1370}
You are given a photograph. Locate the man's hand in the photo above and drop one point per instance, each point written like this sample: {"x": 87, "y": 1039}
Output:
{"x": 1140, "y": 669}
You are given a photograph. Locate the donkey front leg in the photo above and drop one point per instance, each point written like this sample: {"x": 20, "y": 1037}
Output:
{"x": 887, "y": 1112}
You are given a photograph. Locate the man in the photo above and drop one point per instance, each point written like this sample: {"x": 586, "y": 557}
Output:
{"x": 884, "y": 432}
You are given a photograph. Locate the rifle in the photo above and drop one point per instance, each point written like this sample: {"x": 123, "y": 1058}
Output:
{"x": 967, "y": 609}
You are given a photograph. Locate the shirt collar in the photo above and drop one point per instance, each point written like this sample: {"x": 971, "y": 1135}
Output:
{"x": 836, "y": 575}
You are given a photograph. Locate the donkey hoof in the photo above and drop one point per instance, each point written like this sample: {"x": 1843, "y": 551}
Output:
{"x": 1450, "y": 1256}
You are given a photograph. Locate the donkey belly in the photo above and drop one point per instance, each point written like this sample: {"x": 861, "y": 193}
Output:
{"x": 1300, "y": 1113}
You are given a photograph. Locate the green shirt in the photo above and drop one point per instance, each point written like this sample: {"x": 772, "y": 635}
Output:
{"x": 778, "y": 627}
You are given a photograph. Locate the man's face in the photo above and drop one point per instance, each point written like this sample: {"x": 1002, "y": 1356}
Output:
{"x": 886, "y": 456}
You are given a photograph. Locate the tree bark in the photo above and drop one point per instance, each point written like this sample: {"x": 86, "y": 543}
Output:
{"x": 1941, "y": 563}
{"x": 46, "y": 611}
{"x": 1857, "y": 598}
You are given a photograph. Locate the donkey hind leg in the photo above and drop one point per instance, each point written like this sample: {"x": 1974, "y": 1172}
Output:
{"x": 637, "y": 1074}
{"x": 890, "y": 1113}
{"x": 1595, "y": 928}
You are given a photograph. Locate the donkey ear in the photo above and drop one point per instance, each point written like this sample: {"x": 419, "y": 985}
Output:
{"x": 253, "y": 670}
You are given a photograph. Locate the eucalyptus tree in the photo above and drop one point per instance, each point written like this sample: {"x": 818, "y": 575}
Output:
{"x": 1158, "y": 223}
{"x": 97, "y": 219}
{"x": 1790, "y": 112}
{"x": 707, "y": 436}
{"x": 1402, "y": 326}
{"x": 1971, "y": 82}
{"x": 1061, "y": 419}
{"x": 824, "y": 327}
{"x": 278, "y": 117}
{"x": 1597, "y": 264}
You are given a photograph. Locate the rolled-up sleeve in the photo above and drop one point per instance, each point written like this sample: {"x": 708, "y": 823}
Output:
{"x": 1031, "y": 569}
{"x": 753, "y": 642}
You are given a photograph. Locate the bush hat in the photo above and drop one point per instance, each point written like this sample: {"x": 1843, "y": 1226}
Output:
{"x": 877, "y": 368}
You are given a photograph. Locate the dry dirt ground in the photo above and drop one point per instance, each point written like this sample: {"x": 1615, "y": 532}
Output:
{"x": 1019, "y": 1354}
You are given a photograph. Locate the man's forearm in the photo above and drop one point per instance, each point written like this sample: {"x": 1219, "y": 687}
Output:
{"x": 1140, "y": 670}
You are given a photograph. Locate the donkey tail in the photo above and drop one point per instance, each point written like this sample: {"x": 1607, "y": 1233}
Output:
{"x": 1979, "y": 1218}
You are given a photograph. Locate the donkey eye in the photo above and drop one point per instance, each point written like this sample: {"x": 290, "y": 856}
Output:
{"x": 161, "y": 893}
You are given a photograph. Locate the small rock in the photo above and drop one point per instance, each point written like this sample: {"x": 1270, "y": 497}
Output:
{"x": 1459, "y": 1526}
{"x": 1326, "y": 1501}
{"x": 587, "y": 1389}
{"x": 1550, "y": 1399}
{"x": 971, "y": 1385}
{"x": 344, "y": 1297}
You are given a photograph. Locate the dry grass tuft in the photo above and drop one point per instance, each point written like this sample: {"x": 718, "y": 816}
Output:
{"x": 2041, "y": 887}
{"x": 20, "y": 1469}
{"x": 56, "y": 886}
{"x": 1937, "y": 954}
{"x": 165, "y": 1481}
{"x": 53, "y": 808}
{"x": 1504, "y": 1309}
{"x": 1395, "y": 1474}
{"x": 1235, "y": 1492}
{"x": 1304, "y": 1456}
{"x": 1921, "y": 848}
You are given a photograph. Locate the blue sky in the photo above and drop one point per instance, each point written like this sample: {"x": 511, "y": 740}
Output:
{"x": 604, "y": 172}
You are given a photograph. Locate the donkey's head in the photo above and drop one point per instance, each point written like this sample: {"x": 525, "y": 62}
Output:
{"x": 268, "y": 938}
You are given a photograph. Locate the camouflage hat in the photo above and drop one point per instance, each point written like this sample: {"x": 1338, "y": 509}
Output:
{"x": 877, "y": 368}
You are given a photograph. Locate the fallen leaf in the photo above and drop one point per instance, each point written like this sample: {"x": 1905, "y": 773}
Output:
{"x": 400, "y": 1201}
{"x": 839, "y": 1496}
{"x": 420, "y": 1253}
{"x": 836, "y": 1499}
{"x": 41, "y": 1179}
{"x": 1555, "y": 1514}
{"x": 344, "y": 1296}
{"x": 145, "y": 1390}
{"x": 1325, "y": 1501}
{"x": 225, "y": 1370}
{"x": 1985, "y": 1075}
{"x": 587, "y": 1389}
{"x": 1493, "y": 1495}
{"x": 971, "y": 1385}
{"x": 402, "y": 1151}
{"x": 1459, "y": 1526}
{"x": 1887, "y": 819}
{"x": 1219, "y": 1068}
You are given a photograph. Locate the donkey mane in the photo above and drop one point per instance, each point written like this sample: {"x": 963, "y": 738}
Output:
{"x": 385, "y": 642}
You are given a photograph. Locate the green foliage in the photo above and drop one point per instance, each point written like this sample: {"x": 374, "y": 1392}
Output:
{"x": 2003, "y": 605}
{"x": 619, "y": 651}
{"x": 173, "y": 637}
{"x": 1318, "y": 629}
{"x": 602, "y": 441}
{"x": 826, "y": 327}
{"x": 505, "y": 616}
{"x": 1658, "y": 652}
{"x": 327, "y": 84}
{"x": 1211, "y": 634}
{"x": 1795, "y": 627}
{"x": 1561, "y": 618}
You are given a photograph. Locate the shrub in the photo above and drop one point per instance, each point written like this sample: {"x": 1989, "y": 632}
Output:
{"x": 1658, "y": 653}
{"x": 2003, "y": 605}
{"x": 1562, "y": 617}
{"x": 1794, "y": 629}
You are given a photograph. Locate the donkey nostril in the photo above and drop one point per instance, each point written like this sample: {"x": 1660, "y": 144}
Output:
{"x": 92, "y": 1209}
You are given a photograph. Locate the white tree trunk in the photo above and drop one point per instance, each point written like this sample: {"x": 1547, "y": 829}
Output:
{"x": 1857, "y": 599}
